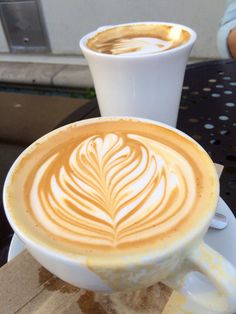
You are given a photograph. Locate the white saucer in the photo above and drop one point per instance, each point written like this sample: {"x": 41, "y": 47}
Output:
{"x": 220, "y": 240}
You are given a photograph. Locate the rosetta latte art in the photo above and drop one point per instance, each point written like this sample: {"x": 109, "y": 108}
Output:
{"x": 112, "y": 190}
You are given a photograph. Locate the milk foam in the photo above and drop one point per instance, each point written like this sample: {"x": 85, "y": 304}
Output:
{"x": 138, "y": 46}
{"x": 138, "y": 39}
{"x": 112, "y": 189}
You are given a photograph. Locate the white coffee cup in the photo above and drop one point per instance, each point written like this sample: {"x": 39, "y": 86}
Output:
{"x": 146, "y": 86}
{"x": 133, "y": 270}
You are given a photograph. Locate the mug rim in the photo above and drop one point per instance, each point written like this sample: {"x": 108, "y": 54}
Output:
{"x": 115, "y": 260}
{"x": 85, "y": 49}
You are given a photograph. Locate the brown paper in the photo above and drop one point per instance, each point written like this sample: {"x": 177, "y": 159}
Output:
{"x": 27, "y": 287}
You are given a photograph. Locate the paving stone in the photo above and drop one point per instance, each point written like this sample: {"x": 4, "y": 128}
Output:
{"x": 28, "y": 73}
{"x": 74, "y": 76}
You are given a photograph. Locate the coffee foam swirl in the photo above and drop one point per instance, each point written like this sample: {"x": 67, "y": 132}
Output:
{"x": 111, "y": 190}
{"x": 136, "y": 45}
{"x": 138, "y": 39}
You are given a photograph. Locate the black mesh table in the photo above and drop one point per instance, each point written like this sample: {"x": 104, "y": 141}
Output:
{"x": 207, "y": 113}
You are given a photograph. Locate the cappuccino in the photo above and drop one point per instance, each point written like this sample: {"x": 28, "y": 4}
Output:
{"x": 138, "y": 39}
{"x": 118, "y": 204}
{"x": 111, "y": 185}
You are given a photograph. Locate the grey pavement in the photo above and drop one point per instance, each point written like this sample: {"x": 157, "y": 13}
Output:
{"x": 46, "y": 74}
{"x": 66, "y": 75}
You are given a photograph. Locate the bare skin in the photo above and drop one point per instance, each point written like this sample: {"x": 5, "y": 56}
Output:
{"x": 232, "y": 43}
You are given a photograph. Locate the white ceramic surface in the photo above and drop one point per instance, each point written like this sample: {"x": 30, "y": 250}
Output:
{"x": 147, "y": 86}
{"x": 219, "y": 240}
{"x": 223, "y": 242}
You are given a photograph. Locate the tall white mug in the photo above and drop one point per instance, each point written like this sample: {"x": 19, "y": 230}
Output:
{"x": 140, "y": 85}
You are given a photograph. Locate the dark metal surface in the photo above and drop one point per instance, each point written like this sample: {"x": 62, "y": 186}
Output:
{"x": 208, "y": 114}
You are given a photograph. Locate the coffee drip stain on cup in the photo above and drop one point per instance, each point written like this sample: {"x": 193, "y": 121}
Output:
{"x": 138, "y": 39}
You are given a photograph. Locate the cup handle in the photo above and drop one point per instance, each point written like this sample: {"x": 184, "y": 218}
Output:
{"x": 220, "y": 273}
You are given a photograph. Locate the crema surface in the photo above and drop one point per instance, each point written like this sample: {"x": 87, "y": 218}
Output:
{"x": 112, "y": 186}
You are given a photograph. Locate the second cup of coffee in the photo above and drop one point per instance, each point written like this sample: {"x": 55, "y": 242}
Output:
{"x": 138, "y": 68}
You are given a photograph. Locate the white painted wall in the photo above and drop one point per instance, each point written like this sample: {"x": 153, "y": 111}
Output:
{"x": 67, "y": 21}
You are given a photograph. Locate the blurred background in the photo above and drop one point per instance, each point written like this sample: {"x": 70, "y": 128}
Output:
{"x": 39, "y": 39}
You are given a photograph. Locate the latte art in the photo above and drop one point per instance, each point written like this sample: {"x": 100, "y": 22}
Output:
{"x": 137, "y": 45}
{"x": 111, "y": 185}
{"x": 138, "y": 39}
{"x": 112, "y": 190}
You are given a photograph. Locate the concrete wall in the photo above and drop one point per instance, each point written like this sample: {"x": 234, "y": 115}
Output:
{"x": 72, "y": 19}
{"x": 67, "y": 21}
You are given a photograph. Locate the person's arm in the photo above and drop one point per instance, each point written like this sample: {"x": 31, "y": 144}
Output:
{"x": 231, "y": 41}
{"x": 226, "y": 37}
